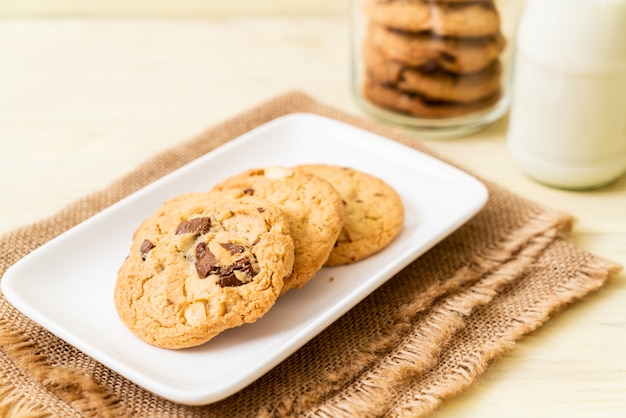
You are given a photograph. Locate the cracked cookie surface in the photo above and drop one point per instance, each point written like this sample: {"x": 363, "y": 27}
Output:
{"x": 374, "y": 212}
{"x": 311, "y": 206}
{"x": 203, "y": 263}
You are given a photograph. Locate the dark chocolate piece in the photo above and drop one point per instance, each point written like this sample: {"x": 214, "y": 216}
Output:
{"x": 233, "y": 248}
{"x": 205, "y": 261}
{"x": 194, "y": 226}
{"x": 146, "y": 246}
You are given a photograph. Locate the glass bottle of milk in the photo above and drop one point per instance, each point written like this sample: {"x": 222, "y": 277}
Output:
{"x": 567, "y": 126}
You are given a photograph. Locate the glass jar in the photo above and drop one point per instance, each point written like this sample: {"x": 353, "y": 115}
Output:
{"x": 441, "y": 67}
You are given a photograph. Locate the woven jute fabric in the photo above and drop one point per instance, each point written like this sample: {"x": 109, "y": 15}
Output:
{"x": 422, "y": 337}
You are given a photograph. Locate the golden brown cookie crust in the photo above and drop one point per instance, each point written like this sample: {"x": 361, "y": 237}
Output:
{"x": 374, "y": 212}
{"x": 311, "y": 206}
{"x": 203, "y": 263}
{"x": 445, "y": 19}
{"x": 437, "y": 84}
{"x": 458, "y": 55}
{"x": 465, "y": 88}
{"x": 413, "y": 104}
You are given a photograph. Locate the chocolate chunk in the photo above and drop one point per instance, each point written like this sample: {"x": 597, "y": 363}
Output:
{"x": 233, "y": 248}
{"x": 206, "y": 263}
{"x": 229, "y": 281}
{"x": 242, "y": 265}
{"x": 228, "y": 276}
{"x": 194, "y": 226}
{"x": 261, "y": 210}
{"x": 248, "y": 192}
{"x": 430, "y": 67}
{"x": 146, "y": 246}
{"x": 447, "y": 56}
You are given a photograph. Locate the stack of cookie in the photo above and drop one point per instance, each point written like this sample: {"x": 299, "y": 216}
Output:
{"x": 432, "y": 58}
{"x": 206, "y": 262}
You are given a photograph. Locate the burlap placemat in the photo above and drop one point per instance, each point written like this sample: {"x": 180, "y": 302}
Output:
{"x": 424, "y": 336}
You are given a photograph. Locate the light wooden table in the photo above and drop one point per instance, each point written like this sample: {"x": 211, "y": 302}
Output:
{"x": 84, "y": 101}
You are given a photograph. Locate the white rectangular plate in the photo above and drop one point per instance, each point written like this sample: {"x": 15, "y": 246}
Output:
{"x": 67, "y": 284}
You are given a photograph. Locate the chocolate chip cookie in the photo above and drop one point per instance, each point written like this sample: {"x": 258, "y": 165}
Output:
{"x": 454, "y": 54}
{"x": 203, "y": 263}
{"x": 390, "y": 97}
{"x": 374, "y": 212}
{"x": 478, "y": 18}
{"x": 434, "y": 83}
{"x": 311, "y": 205}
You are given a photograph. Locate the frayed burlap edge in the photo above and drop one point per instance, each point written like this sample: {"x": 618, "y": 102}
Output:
{"x": 421, "y": 347}
{"x": 32, "y": 380}
{"x": 435, "y": 391}
{"x": 415, "y": 362}
{"x": 410, "y": 347}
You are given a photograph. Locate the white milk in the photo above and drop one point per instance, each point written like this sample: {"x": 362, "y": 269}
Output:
{"x": 568, "y": 117}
